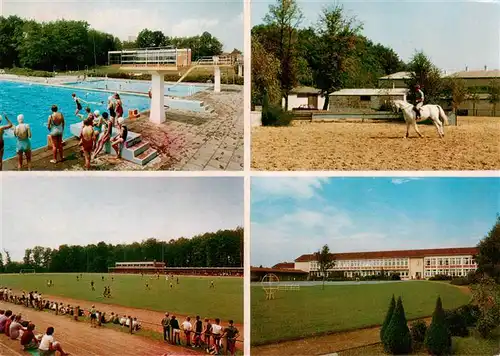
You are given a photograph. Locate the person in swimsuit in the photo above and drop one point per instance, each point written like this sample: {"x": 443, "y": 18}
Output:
{"x": 2, "y": 130}
{"x": 56, "y": 128}
{"x": 77, "y": 102}
{"x": 119, "y": 106}
{"x": 111, "y": 106}
{"x": 97, "y": 123}
{"x": 87, "y": 139}
{"x": 23, "y": 135}
{"x": 106, "y": 135}
{"x": 119, "y": 141}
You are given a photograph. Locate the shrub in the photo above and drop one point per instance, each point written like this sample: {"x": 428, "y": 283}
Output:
{"x": 488, "y": 322}
{"x": 395, "y": 277}
{"x": 460, "y": 281}
{"x": 440, "y": 277}
{"x": 438, "y": 338}
{"x": 397, "y": 338}
{"x": 388, "y": 318}
{"x": 418, "y": 329}
{"x": 470, "y": 313}
{"x": 457, "y": 323}
{"x": 275, "y": 116}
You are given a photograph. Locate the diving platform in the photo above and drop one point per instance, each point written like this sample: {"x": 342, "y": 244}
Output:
{"x": 160, "y": 61}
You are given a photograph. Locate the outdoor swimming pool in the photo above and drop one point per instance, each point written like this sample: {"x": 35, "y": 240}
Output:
{"x": 34, "y": 102}
{"x": 180, "y": 90}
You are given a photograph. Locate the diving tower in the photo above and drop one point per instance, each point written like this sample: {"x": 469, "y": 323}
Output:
{"x": 160, "y": 61}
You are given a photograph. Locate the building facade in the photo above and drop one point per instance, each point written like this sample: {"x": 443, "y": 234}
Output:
{"x": 305, "y": 97}
{"x": 364, "y": 99}
{"x": 409, "y": 264}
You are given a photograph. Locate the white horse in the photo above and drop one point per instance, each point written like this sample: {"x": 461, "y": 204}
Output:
{"x": 433, "y": 112}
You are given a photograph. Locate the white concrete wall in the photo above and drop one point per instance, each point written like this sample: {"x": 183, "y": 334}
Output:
{"x": 256, "y": 118}
{"x": 294, "y": 101}
{"x": 416, "y": 265}
{"x": 303, "y": 266}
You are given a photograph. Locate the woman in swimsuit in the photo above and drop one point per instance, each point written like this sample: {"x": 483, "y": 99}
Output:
{"x": 87, "y": 137}
{"x": 97, "y": 123}
{"x": 105, "y": 136}
{"x": 119, "y": 106}
{"x": 2, "y": 129}
{"x": 23, "y": 134}
{"x": 56, "y": 129}
{"x": 119, "y": 142}
{"x": 111, "y": 106}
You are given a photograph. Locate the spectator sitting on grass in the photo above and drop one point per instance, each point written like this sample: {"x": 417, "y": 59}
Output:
{"x": 48, "y": 346}
{"x": 28, "y": 339}
{"x": 135, "y": 324}
{"x": 16, "y": 327}
{"x": 7, "y": 324}
{"x": 123, "y": 320}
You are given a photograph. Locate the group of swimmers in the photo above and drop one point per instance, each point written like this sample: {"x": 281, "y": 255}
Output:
{"x": 96, "y": 132}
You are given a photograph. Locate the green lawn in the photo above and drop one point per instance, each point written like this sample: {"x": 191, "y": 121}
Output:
{"x": 310, "y": 311}
{"x": 191, "y": 296}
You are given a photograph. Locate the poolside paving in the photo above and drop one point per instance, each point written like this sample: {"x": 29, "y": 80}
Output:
{"x": 185, "y": 142}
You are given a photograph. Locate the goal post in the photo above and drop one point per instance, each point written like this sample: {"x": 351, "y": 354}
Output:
{"x": 27, "y": 271}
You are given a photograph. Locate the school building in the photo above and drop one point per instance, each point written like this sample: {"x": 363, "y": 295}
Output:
{"x": 409, "y": 264}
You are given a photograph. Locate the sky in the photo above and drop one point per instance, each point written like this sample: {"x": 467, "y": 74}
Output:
{"x": 50, "y": 211}
{"x": 223, "y": 19}
{"x": 295, "y": 216}
{"x": 454, "y": 34}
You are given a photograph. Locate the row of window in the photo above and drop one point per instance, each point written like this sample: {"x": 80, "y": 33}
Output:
{"x": 454, "y": 272}
{"x": 387, "y": 262}
{"x": 449, "y": 261}
{"x": 350, "y": 274}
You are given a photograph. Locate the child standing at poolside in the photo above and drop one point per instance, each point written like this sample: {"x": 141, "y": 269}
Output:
{"x": 23, "y": 134}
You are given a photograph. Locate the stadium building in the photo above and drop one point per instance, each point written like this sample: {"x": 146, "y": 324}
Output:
{"x": 154, "y": 267}
{"x": 409, "y": 264}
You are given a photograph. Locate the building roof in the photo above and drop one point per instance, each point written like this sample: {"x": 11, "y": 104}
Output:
{"x": 282, "y": 265}
{"x": 370, "y": 92}
{"x": 305, "y": 90}
{"x": 277, "y": 270}
{"x": 398, "y": 75}
{"x": 396, "y": 254}
{"x": 476, "y": 74}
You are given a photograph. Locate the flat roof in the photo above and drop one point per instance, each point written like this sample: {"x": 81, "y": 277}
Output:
{"x": 305, "y": 90}
{"x": 397, "y": 75}
{"x": 374, "y": 92}
{"x": 396, "y": 254}
{"x": 476, "y": 74}
{"x": 277, "y": 270}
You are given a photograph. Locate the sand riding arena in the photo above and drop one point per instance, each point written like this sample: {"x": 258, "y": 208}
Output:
{"x": 355, "y": 145}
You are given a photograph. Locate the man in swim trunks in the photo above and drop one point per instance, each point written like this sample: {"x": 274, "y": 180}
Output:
{"x": 119, "y": 141}
{"x": 2, "y": 130}
{"x": 56, "y": 128}
{"x": 87, "y": 139}
{"x": 77, "y": 102}
{"x": 23, "y": 134}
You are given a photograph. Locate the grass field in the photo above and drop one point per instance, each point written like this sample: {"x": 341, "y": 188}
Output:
{"x": 312, "y": 311}
{"x": 191, "y": 296}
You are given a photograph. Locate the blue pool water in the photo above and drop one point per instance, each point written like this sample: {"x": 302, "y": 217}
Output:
{"x": 34, "y": 102}
{"x": 180, "y": 90}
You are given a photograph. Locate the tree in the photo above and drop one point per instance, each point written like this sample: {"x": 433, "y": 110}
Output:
{"x": 286, "y": 17}
{"x": 397, "y": 338}
{"x": 494, "y": 94}
{"x": 265, "y": 72}
{"x": 335, "y": 46}
{"x": 486, "y": 295}
{"x": 456, "y": 90}
{"x": 325, "y": 262}
{"x": 388, "y": 317}
{"x": 427, "y": 75}
{"x": 438, "y": 337}
{"x": 11, "y": 35}
{"x": 473, "y": 96}
{"x": 488, "y": 258}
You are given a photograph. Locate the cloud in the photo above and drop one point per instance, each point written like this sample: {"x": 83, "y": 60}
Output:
{"x": 296, "y": 188}
{"x": 399, "y": 181}
{"x": 485, "y": 1}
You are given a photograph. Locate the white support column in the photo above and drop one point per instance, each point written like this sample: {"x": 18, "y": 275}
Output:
{"x": 216, "y": 79}
{"x": 240, "y": 70}
{"x": 157, "y": 113}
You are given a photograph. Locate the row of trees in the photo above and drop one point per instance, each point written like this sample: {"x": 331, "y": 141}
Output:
{"x": 333, "y": 54}
{"x": 72, "y": 45}
{"x": 223, "y": 248}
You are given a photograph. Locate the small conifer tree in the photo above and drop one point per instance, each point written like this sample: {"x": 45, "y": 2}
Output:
{"x": 397, "y": 337}
{"x": 438, "y": 337}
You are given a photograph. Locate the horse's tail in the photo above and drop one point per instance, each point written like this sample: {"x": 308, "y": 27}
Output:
{"x": 442, "y": 115}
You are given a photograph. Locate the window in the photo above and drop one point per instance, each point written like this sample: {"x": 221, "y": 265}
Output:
{"x": 365, "y": 98}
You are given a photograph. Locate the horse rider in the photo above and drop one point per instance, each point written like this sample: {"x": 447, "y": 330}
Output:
{"x": 419, "y": 100}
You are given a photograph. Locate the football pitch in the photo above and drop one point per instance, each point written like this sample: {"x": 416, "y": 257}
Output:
{"x": 313, "y": 311}
{"x": 191, "y": 296}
